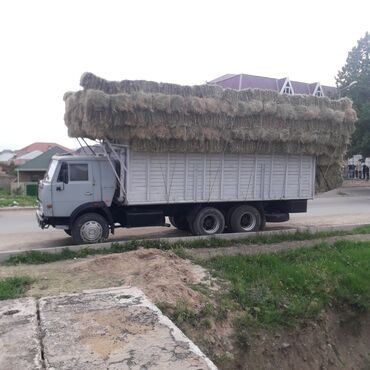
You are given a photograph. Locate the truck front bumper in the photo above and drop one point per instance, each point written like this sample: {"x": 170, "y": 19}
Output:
{"x": 41, "y": 220}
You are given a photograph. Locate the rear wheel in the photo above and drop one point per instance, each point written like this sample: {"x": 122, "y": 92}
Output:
{"x": 246, "y": 218}
{"x": 67, "y": 231}
{"x": 180, "y": 222}
{"x": 208, "y": 221}
{"x": 90, "y": 228}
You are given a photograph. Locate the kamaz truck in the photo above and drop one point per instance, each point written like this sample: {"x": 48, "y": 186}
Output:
{"x": 89, "y": 196}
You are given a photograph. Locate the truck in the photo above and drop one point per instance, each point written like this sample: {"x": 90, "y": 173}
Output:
{"x": 89, "y": 196}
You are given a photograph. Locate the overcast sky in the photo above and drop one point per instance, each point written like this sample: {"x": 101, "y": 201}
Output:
{"x": 47, "y": 45}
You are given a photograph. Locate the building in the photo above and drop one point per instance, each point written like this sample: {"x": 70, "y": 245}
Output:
{"x": 33, "y": 151}
{"x": 19, "y": 160}
{"x": 281, "y": 85}
{"x": 34, "y": 170}
{"x": 6, "y": 156}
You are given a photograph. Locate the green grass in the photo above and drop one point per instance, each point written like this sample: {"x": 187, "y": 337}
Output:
{"x": 181, "y": 314}
{"x": 14, "y": 287}
{"x": 8, "y": 200}
{"x": 278, "y": 289}
{"x": 179, "y": 248}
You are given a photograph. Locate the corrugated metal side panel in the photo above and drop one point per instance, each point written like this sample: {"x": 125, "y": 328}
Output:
{"x": 138, "y": 178}
{"x": 293, "y": 177}
{"x": 307, "y": 177}
{"x": 263, "y": 174}
{"x": 158, "y": 174}
{"x": 277, "y": 189}
{"x": 177, "y": 177}
{"x": 231, "y": 175}
{"x": 213, "y": 177}
{"x": 247, "y": 178}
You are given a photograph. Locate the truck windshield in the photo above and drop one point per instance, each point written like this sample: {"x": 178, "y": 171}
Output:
{"x": 53, "y": 165}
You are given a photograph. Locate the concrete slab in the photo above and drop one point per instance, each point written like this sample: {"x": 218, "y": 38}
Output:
{"x": 117, "y": 328}
{"x": 19, "y": 335}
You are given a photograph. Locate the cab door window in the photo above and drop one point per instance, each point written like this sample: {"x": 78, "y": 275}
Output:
{"x": 73, "y": 172}
{"x": 78, "y": 172}
{"x": 63, "y": 173}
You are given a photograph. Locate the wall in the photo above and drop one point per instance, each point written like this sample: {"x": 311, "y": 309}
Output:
{"x": 31, "y": 176}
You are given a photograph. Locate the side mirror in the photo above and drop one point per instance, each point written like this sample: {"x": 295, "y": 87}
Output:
{"x": 60, "y": 187}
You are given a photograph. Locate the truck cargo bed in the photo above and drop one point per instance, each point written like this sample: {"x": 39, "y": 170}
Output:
{"x": 155, "y": 178}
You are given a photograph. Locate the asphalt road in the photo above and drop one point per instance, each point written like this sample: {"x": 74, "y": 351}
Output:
{"x": 19, "y": 229}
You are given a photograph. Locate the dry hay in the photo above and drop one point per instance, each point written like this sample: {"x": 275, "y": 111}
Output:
{"x": 159, "y": 117}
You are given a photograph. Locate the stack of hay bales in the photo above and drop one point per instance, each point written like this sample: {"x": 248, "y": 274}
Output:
{"x": 160, "y": 117}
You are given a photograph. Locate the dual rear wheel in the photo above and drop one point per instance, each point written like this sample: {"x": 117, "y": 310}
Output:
{"x": 245, "y": 218}
{"x": 210, "y": 220}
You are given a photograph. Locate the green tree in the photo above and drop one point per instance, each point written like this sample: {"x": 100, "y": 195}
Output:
{"x": 353, "y": 80}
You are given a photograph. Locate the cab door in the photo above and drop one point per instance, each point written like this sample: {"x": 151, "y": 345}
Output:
{"x": 75, "y": 185}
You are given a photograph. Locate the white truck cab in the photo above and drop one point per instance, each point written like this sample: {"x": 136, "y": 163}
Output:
{"x": 72, "y": 183}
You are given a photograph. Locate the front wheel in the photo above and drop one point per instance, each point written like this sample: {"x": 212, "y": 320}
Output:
{"x": 90, "y": 228}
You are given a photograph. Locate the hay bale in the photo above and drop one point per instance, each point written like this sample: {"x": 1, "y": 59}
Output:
{"x": 156, "y": 117}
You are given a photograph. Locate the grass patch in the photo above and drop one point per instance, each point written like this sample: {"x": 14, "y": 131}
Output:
{"x": 183, "y": 315}
{"x": 36, "y": 257}
{"x": 179, "y": 247}
{"x": 14, "y": 287}
{"x": 278, "y": 289}
{"x": 8, "y": 200}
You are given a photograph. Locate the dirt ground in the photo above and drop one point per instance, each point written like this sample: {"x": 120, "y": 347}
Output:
{"x": 334, "y": 341}
{"x": 162, "y": 276}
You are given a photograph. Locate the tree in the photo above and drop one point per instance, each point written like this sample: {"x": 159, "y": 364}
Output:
{"x": 353, "y": 80}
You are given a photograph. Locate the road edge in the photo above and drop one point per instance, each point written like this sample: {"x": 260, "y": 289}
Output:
{"x": 4, "y": 255}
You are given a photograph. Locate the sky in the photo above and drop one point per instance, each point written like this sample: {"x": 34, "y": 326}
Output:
{"x": 45, "y": 46}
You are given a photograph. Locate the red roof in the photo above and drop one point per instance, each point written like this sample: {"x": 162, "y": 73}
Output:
{"x": 42, "y": 147}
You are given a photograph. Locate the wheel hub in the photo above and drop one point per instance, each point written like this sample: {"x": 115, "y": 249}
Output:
{"x": 91, "y": 231}
{"x": 211, "y": 224}
{"x": 248, "y": 222}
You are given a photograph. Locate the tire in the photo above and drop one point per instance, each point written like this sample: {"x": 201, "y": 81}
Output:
{"x": 229, "y": 212}
{"x": 180, "y": 222}
{"x": 90, "y": 228}
{"x": 246, "y": 219}
{"x": 208, "y": 221}
{"x": 68, "y": 232}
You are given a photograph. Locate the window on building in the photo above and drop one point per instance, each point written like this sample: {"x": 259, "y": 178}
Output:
{"x": 288, "y": 89}
{"x": 319, "y": 92}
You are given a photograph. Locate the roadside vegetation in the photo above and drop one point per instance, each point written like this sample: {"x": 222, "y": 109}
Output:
{"x": 10, "y": 200}
{"x": 14, "y": 287}
{"x": 280, "y": 288}
{"x": 277, "y": 291}
{"x": 36, "y": 257}
{"x": 265, "y": 297}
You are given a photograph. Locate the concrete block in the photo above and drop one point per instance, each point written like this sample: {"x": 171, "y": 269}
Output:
{"x": 19, "y": 335}
{"x": 117, "y": 328}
